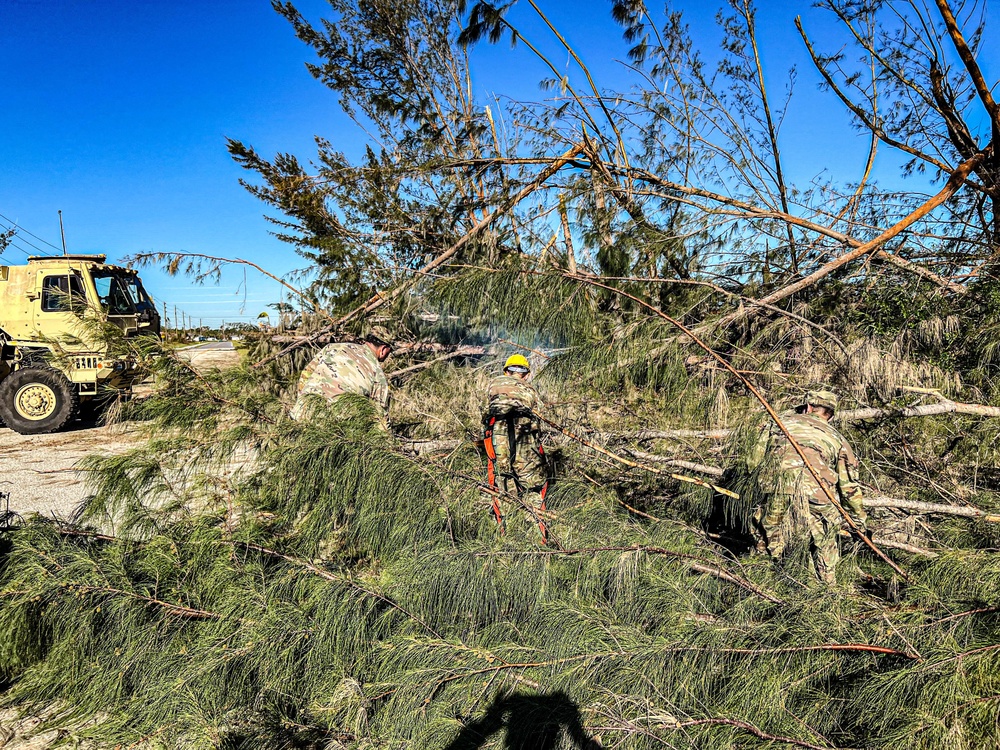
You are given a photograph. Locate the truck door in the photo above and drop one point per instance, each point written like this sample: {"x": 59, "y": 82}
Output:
{"x": 61, "y": 300}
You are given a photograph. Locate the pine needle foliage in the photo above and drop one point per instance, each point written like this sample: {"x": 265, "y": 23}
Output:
{"x": 242, "y": 580}
{"x": 334, "y": 590}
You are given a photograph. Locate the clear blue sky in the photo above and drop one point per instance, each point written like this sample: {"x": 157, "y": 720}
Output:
{"x": 116, "y": 112}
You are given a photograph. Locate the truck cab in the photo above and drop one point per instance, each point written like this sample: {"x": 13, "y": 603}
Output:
{"x": 50, "y": 362}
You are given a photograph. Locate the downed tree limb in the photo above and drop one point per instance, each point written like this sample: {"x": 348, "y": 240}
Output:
{"x": 712, "y": 471}
{"x": 379, "y": 298}
{"x": 695, "y": 563}
{"x": 697, "y": 341}
{"x": 945, "y": 406}
{"x": 923, "y": 272}
{"x": 955, "y": 181}
{"x": 917, "y": 506}
{"x": 919, "y": 551}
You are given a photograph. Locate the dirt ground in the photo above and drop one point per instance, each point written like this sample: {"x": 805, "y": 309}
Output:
{"x": 39, "y": 471}
{"x": 25, "y": 734}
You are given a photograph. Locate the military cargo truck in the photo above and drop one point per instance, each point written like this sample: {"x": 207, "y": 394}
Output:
{"x": 49, "y": 365}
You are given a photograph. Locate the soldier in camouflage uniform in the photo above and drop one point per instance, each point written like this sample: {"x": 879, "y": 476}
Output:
{"x": 515, "y": 458}
{"x": 346, "y": 368}
{"x": 798, "y": 506}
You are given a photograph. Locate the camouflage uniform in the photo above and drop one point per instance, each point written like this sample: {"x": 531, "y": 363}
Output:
{"x": 339, "y": 369}
{"x": 797, "y": 503}
{"x": 514, "y": 450}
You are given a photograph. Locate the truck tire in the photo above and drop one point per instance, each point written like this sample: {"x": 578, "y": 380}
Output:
{"x": 36, "y": 399}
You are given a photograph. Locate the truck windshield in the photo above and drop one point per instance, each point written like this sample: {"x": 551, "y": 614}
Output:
{"x": 137, "y": 294}
{"x": 120, "y": 294}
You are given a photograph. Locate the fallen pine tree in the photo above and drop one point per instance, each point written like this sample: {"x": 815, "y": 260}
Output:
{"x": 243, "y": 580}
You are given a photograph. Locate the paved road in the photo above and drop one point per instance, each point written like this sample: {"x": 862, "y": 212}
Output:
{"x": 210, "y": 346}
{"x": 210, "y": 355}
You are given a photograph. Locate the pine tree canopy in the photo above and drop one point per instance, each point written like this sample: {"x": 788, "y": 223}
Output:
{"x": 243, "y": 580}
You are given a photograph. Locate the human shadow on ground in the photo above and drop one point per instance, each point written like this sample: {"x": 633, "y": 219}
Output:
{"x": 532, "y": 722}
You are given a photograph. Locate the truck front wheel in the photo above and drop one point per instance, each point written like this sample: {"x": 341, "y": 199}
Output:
{"x": 34, "y": 400}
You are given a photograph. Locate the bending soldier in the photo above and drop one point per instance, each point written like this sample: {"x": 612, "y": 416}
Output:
{"x": 797, "y": 504}
{"x": 346, "y": 368}
{"x": 512, "y": 438}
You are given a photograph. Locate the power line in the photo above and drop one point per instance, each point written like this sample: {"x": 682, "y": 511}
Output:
{"x": 13, "y": 246}
{"x": 15, "y": 225}
{"x": 16, "y": 241}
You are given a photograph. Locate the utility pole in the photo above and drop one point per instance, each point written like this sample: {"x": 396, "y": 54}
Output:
{"x": 166, "y": 320}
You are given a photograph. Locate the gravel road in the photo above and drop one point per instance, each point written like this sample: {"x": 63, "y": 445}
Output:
{"x": 39, "y": 471}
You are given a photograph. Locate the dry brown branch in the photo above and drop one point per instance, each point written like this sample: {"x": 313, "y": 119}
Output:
{"x": 744, "y": 210}
{"x": 955, "y": 181}
{"x": 969, "y": 59}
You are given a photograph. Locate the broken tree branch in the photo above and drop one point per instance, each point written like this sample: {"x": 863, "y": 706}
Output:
{"x": 955, "y": 181}
{"x": 767, "y": 407}
{"x": 462, "y": 351}
{"x": 917, "y": 506}
{"x": 945, "y": 406}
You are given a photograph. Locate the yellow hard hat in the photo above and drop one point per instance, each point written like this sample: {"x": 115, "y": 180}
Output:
{"x": 517, "y": 363}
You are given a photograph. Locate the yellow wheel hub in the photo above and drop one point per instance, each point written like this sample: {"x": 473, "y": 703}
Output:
{"x": 35, "y": 401}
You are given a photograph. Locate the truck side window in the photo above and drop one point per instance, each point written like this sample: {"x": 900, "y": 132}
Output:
{"x": 62, "y": 293}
